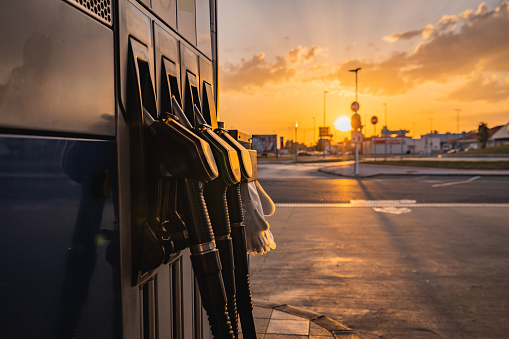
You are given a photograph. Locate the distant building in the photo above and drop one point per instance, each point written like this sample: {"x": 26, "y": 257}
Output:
{"x": 427, "y": 144}
{"x": 395, "y": 145}
{"x": 467, "y": 142}
{"x": 500, "y": 136}
{"x": 445, "y": 138}
{"x": 431, "y": 143}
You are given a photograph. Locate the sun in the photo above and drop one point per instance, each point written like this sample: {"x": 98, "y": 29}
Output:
{"x": 343, "y": 124}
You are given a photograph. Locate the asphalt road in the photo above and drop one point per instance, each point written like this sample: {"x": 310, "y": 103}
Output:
{"x": 307, "y": 185}
{"x": 417, "y": 272}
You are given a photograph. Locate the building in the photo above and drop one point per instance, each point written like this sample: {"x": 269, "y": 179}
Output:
{"x": 500, "y": 136}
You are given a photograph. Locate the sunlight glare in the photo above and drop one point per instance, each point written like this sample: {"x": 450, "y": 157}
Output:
{"x": 342, "y": 124}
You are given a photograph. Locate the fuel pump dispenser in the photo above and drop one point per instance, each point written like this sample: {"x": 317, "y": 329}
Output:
{"x": 234, "y": 200}
{"x": 115, "y": 66}
{"x": 215, "y": 198}
{"x": 187, "y": 156}
{"x": 172, "y": 151}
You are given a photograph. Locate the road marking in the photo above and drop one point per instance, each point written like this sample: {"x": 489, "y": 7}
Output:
{"x": 457, "y": 182}
{"x": 392, "y": 210}
{"x": 348, "y": 205}
{"x": 381, "y": 202}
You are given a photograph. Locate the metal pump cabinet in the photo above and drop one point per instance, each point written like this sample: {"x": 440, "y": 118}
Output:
{"x": 93, "y": 236}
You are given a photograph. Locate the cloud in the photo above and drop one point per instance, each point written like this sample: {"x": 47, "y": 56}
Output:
{"x": 255, "y": 72}
{"x": 302, "y": 54}
{"x": 481, "y": 89}
{"x": 427, "y": 31}
{"x": 405, "y": 36}
{"x": 479, "y": 45}
{"x": 466, "y": 14}
{"x": 482, "y": 9}
{"x": 258, "y": 72}
{"x": 424, "y": 33}
{"x": 447, "y": 20}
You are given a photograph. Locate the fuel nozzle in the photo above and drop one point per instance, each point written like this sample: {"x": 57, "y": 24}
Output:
{"x": 243, "y": 153}
{"x": 238, "y": 233}
{"x": 180, "y": 151}
{"x": 186, "y": 156}
{"x": 230, "y": 173}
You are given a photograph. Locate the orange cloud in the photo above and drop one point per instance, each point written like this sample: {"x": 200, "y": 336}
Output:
{"x": 480, "y": 89}
{"x": 425, "y": 33}
{"x": 479, "y": 45}
{"x": 257, "y": 71}
{"x": 464, "y": 46}
{"x": 405, "y": 36}
{"x": 447, "y": 20}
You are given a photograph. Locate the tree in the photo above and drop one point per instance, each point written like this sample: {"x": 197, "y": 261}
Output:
{"x": 483, "y": 134}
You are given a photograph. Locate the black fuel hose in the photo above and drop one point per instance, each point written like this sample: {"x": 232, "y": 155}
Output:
{"x": 215, "y": 197}
{"x": 238, "y": 233}
{"x": 206, "y": 262}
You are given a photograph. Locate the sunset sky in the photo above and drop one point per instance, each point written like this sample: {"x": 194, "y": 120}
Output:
{"x": 425, "y": 59}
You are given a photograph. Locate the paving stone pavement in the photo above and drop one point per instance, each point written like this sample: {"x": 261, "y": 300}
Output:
{"x": 281, "y": 321}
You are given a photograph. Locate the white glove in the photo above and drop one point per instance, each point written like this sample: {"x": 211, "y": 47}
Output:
{"x": 259, "y": 239}
{"x": 267, "y": 204}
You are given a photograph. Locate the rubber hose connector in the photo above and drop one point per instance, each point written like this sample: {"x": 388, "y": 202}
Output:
{"x": 200, "y": 231}
{"x": 235, "y": 204}
{"x": 238, "y": 234}
{"x": 215, "y": 198}
{"x": 244, "y": 301}
{"x": 207, "y": 269}
{"x": 225, "y": 248}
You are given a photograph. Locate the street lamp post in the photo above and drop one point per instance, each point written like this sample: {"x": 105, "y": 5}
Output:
{"x": 324, "y": 106}
{"x": 359, "y": 127}
{"x": 386, "y": 130}
{"x": 458, "y": 120}
{"x": 324, "y": 110}
{"x": 296, "y": 145}
{"x": 356, "y": 88}
{"x": 314, "y": 130}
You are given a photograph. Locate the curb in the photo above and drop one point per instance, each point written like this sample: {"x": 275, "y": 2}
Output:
{"x": 411, "y": 174}
{"x": 352, "y": 175}
{"x": 329, "y": 324}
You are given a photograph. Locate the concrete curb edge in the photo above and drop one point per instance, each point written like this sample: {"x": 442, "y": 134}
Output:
{"x": 410, "y": 174}
{"x": 329, "y": 324}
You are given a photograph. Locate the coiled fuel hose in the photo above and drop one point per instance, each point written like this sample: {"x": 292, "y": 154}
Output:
{"x": 238, "y": 234}
{"x": 215, "y": 197}
{"x": 206, "y": 262}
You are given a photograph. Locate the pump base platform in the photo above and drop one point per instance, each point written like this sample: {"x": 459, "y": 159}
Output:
{"x": 273, "y": 320}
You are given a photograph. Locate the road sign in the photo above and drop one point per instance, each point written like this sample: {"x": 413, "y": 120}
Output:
{"x": 374, "y": 119}
{"x": 355, "y": 121}
{"x": 324, "y": 131}
{"x": 355, "y": 106}
{"x": 356, "y": 137}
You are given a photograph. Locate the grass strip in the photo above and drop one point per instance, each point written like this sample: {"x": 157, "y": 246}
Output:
{"x": 483, "y": 165}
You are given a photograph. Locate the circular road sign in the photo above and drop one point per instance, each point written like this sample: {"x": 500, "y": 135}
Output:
{"x": 374, "y": 119}
{"x": 355, "y": 106}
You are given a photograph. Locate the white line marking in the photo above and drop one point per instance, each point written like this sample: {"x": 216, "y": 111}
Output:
{"x": 457, "y": 182}
{"x": 381, "y": 202}
{"x": 347, "y": 205}
{"x": 392, "y": 210}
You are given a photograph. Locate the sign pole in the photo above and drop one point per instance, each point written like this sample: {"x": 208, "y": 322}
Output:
{"x": 374, "y": 141}
{"x": 386, "y": 130}
{"x": 374, "y": 120}
{"x": 356, "y": 158}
